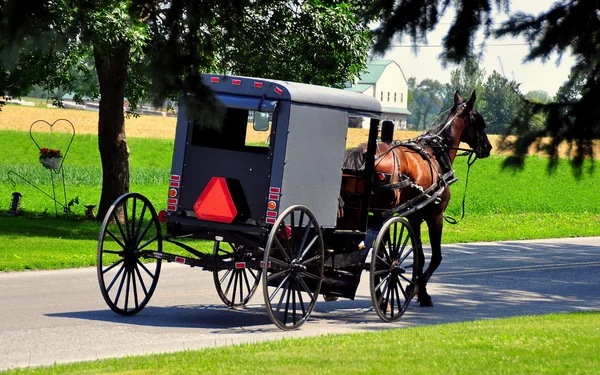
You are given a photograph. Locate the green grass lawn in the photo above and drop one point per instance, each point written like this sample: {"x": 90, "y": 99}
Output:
{"x": 500, "y": 204}
{"x": 551, "y": 344}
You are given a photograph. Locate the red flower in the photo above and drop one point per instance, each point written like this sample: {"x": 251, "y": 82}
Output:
{"x": 49, "y": 153}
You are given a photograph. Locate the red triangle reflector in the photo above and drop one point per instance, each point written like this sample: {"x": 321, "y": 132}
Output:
{"x": 215, "y": 203}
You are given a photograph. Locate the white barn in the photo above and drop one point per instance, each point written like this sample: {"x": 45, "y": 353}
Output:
{"x": 385, "y": 81}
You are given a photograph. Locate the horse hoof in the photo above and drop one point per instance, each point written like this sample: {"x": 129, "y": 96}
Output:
{"x": 329, "y": 298}
{"x": 425, "y": 301}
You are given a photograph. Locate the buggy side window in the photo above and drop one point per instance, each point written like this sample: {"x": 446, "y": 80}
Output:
{"x": 234, "y": 133}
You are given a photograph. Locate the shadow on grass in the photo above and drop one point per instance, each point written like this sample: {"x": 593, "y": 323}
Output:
{"x": 31, "y": 226}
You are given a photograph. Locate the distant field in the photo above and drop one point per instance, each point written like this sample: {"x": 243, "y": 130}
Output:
{"x": 14, "y": 117}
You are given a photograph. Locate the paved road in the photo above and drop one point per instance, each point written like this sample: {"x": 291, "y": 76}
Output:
{"x": 59, "y": 316}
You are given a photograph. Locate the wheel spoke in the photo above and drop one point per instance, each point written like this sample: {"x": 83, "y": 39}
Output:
{"x": 126, "y": 218}
{"x": 385, "y": 279}
{"x": 139, "y": 226}
{"x": 116, "y": 252}
{"x": 278, "y": 287}
{"x": 280, "y": 246}
{"x": 144, "y": 232}
{"x": 115, "y": 278}
{"x": 311, "y": 260}
{"x": 241, "y": 287}
{"x": 276, "y": 275}
{"x": 288, "y": 248}
{"x": 278, "y": 262}
{"x": 310, "y": 275}
{"x": 143, "y": 285}
{"x": 391, "y": 299}
{"x": 120, "y": 288}
{"x": 401, "y": 251}
{"x": 301, "y": 302}
{"x": 406, "y": 279}
{"x": 147, "y": 243}
{"x": 247, "y": 282}
{"x": 133, "y": 209}
{"x": 387, "y": 249}
{"x": 135, "y": 293}
{"x": 387, "y": 264}
{"x": 306, "y": 289}
{"x": 145, "y": 269}
{"x": 398, "y": 297}
{"x": 394, "y": 238}
{"x": 303, "y": 241}
{"x": 283, "y": 293}
{"x": 113, "y": 265}
{"x": 387, "y": 297}
{"x": 294, "y": 303}
{"x": 127, "y": 288}
{"x": 287, "y": 304}
{"x": 255, "y": 276}
{"x": 115, "y": 238}
{"x": 231, "y": 278}
{"x": 312, "y": 242}
{"x": 400, "y": 261}
{"x": 227, "y": 272}
{"x": 381, "y": 272}
{"x": 123, "y": 236}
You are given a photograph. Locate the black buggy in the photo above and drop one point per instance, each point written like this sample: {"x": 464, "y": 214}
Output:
{"x": 281, "y": 210}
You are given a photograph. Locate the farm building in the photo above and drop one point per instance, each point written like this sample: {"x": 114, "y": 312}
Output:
{"x": 385, "y": 81}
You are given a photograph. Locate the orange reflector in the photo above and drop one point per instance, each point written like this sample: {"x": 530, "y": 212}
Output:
{"x": 172, "y": 193}
{"x": 215, "y": 203}
{"x": 272, "y": 205}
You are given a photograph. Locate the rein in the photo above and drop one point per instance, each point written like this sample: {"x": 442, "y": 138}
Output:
{"x": 470, "y": 162}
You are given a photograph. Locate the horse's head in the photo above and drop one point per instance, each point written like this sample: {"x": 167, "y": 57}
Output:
{"x": 473, "y": 129}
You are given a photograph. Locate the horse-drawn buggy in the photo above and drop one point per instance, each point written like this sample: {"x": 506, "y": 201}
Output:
{"x": 299, "y": 215}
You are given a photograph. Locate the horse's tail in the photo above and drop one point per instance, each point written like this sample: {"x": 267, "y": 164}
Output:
{"x": 354, "y": 158}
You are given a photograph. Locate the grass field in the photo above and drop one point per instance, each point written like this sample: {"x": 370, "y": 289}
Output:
{"x": 551, "y": 344}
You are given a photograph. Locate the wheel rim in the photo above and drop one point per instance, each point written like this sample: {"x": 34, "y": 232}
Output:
{"x": 235, "y": 284}
{"x": 293, "y": 267}
{"x": 393, "y": 269}
{"x": 130, "y": 226}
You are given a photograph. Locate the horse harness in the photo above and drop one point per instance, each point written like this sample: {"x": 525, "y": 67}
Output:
{"x": 431, "y": 194}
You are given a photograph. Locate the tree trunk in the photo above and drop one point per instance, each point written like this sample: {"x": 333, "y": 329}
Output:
{"x": 111, "y": 67}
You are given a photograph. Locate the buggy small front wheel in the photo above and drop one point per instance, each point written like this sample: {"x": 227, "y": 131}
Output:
{"x": 130, "y": 228}
{"x": 293, "y": 267}
{"x": 235, "y": 282}
{"x": 393, "y": 269}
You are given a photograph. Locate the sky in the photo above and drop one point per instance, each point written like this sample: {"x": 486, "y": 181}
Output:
{"x": 502, "y": 55}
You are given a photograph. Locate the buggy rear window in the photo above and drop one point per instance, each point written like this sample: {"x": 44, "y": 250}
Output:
{"x": 233, "y": 132}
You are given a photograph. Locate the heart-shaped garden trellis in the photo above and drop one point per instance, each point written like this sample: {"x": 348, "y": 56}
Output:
{"x": 53, "y": 149}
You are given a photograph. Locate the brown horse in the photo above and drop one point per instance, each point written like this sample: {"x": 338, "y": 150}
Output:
{"x": 425, "y": 160}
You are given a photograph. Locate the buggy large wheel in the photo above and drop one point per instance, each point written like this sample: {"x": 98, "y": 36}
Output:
{"x": 293, "y": 267}
{"x": 393, "y": 269}
{"x": 130, "y": 226}
{"x": 234, "y": 281}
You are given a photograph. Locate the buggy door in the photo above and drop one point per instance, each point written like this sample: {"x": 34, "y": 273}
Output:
{"x": 226, "y": 145}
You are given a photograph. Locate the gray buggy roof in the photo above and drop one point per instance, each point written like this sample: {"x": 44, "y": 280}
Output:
{"x": 294, "y": 92}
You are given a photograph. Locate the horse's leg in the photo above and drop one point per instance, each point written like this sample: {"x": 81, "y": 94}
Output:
{"x": 415, "y": 224}
{"x": 435, "y": 225}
